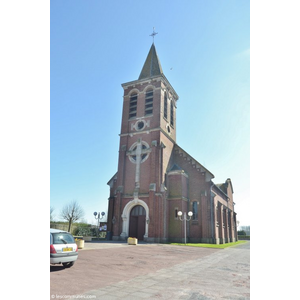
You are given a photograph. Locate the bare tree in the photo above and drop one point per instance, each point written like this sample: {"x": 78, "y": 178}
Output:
{"x": 72, "y": 212}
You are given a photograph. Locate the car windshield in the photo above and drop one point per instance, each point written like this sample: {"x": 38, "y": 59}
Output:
{"x": 63, "y": 238}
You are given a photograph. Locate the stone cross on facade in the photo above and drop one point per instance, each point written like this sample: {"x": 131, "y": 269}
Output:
{"x": 137, "y": 155}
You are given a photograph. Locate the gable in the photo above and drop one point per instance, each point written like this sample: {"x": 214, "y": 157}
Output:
{"x": 229, "y": 185}
{"x": 225, "y": 188}
{"x": 194, "y": 163}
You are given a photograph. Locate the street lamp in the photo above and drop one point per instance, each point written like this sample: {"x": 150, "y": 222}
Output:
{"x": 185, "y": 219}
{"x": 98, "y": 218}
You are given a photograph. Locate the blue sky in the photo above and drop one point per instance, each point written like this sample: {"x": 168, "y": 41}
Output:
{"x": 95, "y": 46}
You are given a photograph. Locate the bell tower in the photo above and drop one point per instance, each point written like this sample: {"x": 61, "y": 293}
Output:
{"x": 148, "y": 122}
{"x": 147, "y": 138}
{"x": 150, "y": 101}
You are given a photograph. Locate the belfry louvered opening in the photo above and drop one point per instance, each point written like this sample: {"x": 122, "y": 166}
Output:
{"x": 133, "y": 105}
{"x": 149, "y": 102}
{"x": 172, "y": 114}
{"x": 165, "y": 106}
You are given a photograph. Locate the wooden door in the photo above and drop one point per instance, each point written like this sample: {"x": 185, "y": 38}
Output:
{"x": 137, "y": 222}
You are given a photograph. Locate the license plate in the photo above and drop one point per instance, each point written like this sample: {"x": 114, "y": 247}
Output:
{"x": 67, "y": 249}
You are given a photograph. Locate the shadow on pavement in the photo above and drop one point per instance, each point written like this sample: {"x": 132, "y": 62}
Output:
{"x": 56, "y": 268}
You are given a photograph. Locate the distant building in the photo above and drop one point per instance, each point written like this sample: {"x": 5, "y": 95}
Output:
{"x": 156, "y": 178}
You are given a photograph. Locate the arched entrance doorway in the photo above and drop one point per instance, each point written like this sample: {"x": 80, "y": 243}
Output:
{"x": 126, "y": 217}
{"x": 137, "y": 222}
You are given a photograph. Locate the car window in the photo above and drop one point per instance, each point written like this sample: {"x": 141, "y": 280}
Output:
{"x": 62, "y": 238}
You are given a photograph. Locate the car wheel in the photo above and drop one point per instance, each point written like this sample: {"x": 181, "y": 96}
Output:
{"x": 69, "y": 264}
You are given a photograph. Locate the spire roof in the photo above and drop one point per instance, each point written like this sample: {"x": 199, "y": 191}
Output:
{"x": 152, "y": 65}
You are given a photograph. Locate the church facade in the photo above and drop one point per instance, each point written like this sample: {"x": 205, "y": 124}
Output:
{"x": 156, "y": 178}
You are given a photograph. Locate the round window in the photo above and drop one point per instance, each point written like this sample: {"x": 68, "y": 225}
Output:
{"x": 140, "y": 125}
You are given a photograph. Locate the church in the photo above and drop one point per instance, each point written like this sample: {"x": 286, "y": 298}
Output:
{"x": 157, "y": 179}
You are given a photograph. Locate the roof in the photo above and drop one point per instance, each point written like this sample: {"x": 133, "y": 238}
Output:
{"x": 114, "y": 177}
{"x": 152, "y": 69}
{"x": 223, "y": 186}
{"x": 152, "y": 65}
{"x": 220, "y": 188}
{"x": 208, "y": 174}
{"x": 176, "y": 168}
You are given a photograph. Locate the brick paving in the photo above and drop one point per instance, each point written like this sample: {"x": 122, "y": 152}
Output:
{"x": 154, "y": 271}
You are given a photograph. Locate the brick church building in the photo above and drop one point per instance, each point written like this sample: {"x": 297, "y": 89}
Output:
{"x": 156, "y": 178}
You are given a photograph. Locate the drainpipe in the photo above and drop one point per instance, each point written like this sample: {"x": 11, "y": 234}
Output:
{"x": 212, "y": 208}
{"x": 162, "y": 195}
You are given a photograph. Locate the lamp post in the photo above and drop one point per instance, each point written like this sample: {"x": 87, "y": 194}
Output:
{"x": 184, "y": 220}
{"x": 98, "y": 218}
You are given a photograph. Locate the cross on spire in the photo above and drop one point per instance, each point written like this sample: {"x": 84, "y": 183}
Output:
{"x": 153, "y": 34}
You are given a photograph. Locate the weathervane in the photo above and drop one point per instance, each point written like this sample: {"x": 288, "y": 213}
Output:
{"x": 153, "y": 34}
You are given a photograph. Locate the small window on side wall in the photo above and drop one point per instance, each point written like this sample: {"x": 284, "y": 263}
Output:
{"x": 176, "y": 212}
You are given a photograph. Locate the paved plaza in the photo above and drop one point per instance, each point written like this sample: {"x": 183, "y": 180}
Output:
{"x": 110, "y": 270}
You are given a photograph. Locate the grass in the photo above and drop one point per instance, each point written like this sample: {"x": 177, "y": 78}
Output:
{"x": 220, "y": 246}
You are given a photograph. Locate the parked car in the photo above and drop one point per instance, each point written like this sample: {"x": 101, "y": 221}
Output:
{"x": 63, "y": 249}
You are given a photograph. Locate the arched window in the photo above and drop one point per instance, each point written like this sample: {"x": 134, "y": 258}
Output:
{"x": 195, "y": 210}
{"x": 166, "y": 106}
{"x": 149, "y": 102}
{"x": 133, "y": 105}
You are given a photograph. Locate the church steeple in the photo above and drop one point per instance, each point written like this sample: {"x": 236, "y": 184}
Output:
{"x": 149, "y": 104}
{"x": 152, "y": 65}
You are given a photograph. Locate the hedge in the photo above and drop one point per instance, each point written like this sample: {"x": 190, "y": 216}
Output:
{"x": 243, "y": 237}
